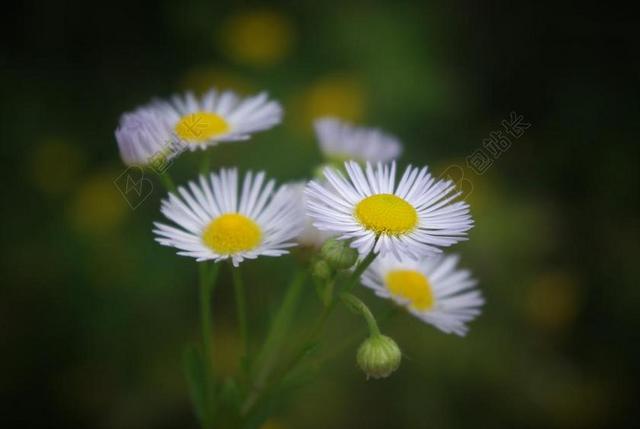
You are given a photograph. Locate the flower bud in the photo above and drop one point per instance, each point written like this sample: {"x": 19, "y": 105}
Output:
{"x": 379, "y": 356}
{"x": 322, "y": 270}
{"x": 339, "y": 254}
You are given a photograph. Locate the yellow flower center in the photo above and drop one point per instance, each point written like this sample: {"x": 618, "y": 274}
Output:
{"x": 413, "y": 286}
{"x": 386, "y": 214}
{"x": 232, "y": 233}
{"x": 201, "y": 126}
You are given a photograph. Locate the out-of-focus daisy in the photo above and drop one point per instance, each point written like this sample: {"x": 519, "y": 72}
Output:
{"x": 218, "y": 117}
{"x": 431, "y": 288}
{"x": 143, "y": 136}
{"x": 309, "y": 236}
{"x": 343, "y": 141}
{"x": 214, "y": 222}
{"x": 415, "y": 218}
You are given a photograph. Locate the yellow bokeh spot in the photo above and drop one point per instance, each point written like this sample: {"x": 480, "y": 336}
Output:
{"x": 201, "y": 126}
{"x": 229, "y": 350}
{"x": 258, "y": 37}
{"x": 412, "y": 286}
{"x": 552, "y": 301}
{"x": 386, "y": 214}
{"x": 340, "y": 96}
{"x": 98, "y": 207}
{"x": 232, "y": 233}
{"x": 55, "y": 166}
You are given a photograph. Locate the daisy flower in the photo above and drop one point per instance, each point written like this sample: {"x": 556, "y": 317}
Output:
{"x": 309, "y": 235}
{"x": 342, "y": 140}
{"x": 415, "y": 218}
{"x": 214, "y": 222}
{"x": 431, "y": 289}
{"x": 142, "y": 137}
{"x": 216, "y": 117}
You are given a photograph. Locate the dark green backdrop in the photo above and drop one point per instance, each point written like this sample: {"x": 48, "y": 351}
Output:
{"x": 94, "y": 314}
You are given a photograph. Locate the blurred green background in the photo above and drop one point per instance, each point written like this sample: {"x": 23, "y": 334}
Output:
{"x": 94, "y": 315}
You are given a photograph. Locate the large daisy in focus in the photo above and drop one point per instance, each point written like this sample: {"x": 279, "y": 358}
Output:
{"x": 432, "y": 289}
{"x": 414, "y": 218}
{"x": 214, "y": 222}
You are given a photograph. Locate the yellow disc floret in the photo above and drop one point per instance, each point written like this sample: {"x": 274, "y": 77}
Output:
{"x": 232, "y": 233}
{"x": 201, "y": 126}
{"x": 412, "y": 286}
{"x": 386, "y": 214}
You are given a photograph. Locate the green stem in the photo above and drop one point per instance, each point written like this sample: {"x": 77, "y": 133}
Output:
{"x": 241, "y": 311}
{"x": 308, "y": 342}
{"x": 267, "y": 358}
{"x": 207, "y": 277}
{"x": 360, "y": 268}
{"x": 320, "y": 324}
{"x": 356, "y": 305}
{"x": 167, "y": 182}
{"x": 351, "y": 339}
{"x": 206, "y": 162}
{"x": 326, "y": 312}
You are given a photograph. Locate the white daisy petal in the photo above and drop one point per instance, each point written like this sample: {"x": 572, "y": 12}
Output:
{"x": 341, "y": 140}
{"x": 415, "y": 218}
{"x": 213, "y": 222}
{"x": 143, "y": 137}
{"x": 309, "y": 236}
{"x": 431, "y": 289}
{"x": 186, "y": 121}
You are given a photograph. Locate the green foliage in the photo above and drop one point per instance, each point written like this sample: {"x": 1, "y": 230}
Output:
{"x": 199, "y": 389}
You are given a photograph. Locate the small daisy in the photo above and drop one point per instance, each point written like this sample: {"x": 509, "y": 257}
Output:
{"x": 415, "y": 218}
{"x": 341, "y": 140}
{"x": 216, "y": 117}
{"x": 431, "y": 289}
{"x": 309, "y": 236}
{"x": 142, "y": 137}
{"x": 214, "y": 222}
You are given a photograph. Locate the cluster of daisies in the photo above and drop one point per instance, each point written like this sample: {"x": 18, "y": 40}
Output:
{"x": 404, "y": 220}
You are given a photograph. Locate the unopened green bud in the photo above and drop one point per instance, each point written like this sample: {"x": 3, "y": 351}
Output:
{"x": 379, "y": 356}
{"x": 339, "y": 254}
{"x": 322, "y": 270}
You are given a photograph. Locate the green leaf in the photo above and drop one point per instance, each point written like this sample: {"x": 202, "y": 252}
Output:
{"x": 327, "y": 294}
{"x": 267, "y": 358}
{"x": 196, "y": 374}
{"x": 231, "y": 395}
{"x": 260, "y": 413}
{"x": 278, "y": 330}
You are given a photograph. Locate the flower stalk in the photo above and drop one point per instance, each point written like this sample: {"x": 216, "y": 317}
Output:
{"x": 241, "y": 311}
{"x": 356, "y": 305}
{"x": 167, "y": 181}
